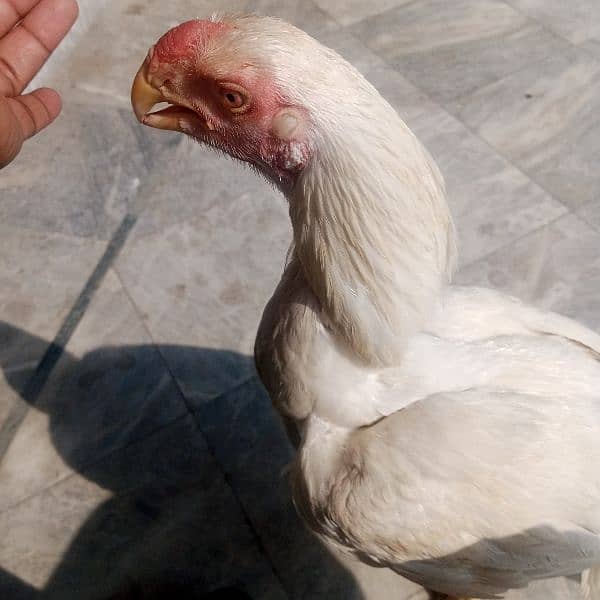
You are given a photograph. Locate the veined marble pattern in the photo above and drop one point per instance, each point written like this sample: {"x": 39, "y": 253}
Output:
{"x": 41, "y": 275}
{"x": 592, "y": 46}
{"x": 590, "y": 212}
{"x": 227, "y": 186}
{"x": 151, "y": 465}
{"x": 109, "y": 389}
{"x": 449, "y": 49}
{"x": 493, "y": 203}
{"x": 348, "y": 12}
{"x": 80, "y": 177}
{"x": 110, "y": 528}
{"x": 545, "y": 119}
{"x": 576, "y": 20}
{"x": 225, "y": 261}
{"x": 557, "y": 267}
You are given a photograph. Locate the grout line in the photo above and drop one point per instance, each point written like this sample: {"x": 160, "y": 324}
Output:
{"x": 446, "y": 106}
{"x": 391, "y": 63}
{"x": 34, "y": 385}
{"x": 190, "y": 412}
{"x": 234, "y": 388}
{"x": 512, "y": 242}
{"x": 544, "y": 25}
{"x": 262, "y": 548}
{"x": 374, "y": 15}
{"x": 578, "y": 212}
{"x": 529, "y": 176}
{"x": 81, "y": 470}
{"x": 226, "y": 476}
{"x": 157, "y": 345}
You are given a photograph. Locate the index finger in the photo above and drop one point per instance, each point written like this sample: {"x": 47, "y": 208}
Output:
{"x": 12, "y": 11}
{"x": 26, "y": 48}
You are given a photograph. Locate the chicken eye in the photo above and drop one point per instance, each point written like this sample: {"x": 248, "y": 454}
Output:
{"x": 234, "y": 99}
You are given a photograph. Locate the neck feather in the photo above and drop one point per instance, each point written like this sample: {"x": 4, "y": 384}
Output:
{"x": 373, "y": 233}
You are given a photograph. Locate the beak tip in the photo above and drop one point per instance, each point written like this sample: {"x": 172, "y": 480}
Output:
{"x": 143, "y": 95}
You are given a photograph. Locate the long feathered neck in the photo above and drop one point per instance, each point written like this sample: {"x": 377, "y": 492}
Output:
{"x": 372, "y": 230}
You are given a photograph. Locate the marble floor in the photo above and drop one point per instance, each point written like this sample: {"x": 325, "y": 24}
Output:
{"x": 139, "y": 456}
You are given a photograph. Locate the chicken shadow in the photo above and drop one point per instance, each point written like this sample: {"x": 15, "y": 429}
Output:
{"x": 175, "y": 469}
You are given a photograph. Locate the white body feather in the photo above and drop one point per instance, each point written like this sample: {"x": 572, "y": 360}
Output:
{"x": 451, "y": 434}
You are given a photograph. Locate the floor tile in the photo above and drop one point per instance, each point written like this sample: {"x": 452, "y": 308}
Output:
{"x": 492, "y": 202}
{"x": 449, "y": 49}
{"x": 557, "y": 267}
{"x": 41, "y": 275}
{"x": 109, "y": 484}
{"x": 545, "y": 120}
{"x": 251, "y": 447}
{"x": 9, "y": 399}
{"x": 79, "y": 176}
{"x": 348, "y": 12}
{"x": 205, "y": 282}
{"x": 155, "y": 516}
{"x": 205, "y": 181}
{"x": 576, "y": 20}
{"x": 110, "y": 388}
{"x": 593, "y": 47}
{"x": 590, "y": 212}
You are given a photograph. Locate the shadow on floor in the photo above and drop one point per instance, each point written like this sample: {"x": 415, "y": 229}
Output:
{"x": 178, "y": 468}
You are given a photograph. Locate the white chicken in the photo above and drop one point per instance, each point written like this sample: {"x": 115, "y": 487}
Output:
{"x": 451, "y": 434}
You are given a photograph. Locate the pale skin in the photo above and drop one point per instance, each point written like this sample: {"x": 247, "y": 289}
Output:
{"x": 30, "y": 30}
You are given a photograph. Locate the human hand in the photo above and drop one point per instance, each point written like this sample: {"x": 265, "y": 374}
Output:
{"x": 29, "y": 31}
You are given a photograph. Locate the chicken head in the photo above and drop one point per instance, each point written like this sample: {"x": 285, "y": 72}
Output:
{"x": 222, "y": 97}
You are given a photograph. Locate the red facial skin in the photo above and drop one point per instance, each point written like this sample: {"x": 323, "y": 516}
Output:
{"x": 247, "y": 134}
{"x": 181, "y": 42}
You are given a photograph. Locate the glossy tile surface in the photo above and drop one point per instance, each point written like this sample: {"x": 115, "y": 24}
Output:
{"x": 41, "y": 275}
{"x": 348, "y": 12}
{"x": 143, "y": 519}
{"x": 576, "y": 20}
{"x": 109, "y": 389}
{"x": 493, "y": 203}
{"x": 557, "y": 267}
{"x": 545, "y": 119}
{"x": 146, "y": 460}
{"x": 449, "y": 49}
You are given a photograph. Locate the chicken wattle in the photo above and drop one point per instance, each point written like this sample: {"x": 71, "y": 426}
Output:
{"x": 451, "y": 434}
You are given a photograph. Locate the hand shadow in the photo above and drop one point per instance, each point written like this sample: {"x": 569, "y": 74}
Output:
{"x": 173, "y": 525}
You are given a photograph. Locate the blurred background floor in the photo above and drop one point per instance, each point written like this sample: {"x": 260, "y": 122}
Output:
{"x": 139, "y": 455}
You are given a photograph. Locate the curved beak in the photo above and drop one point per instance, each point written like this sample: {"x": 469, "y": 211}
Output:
{"x": 144, "y": 96}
